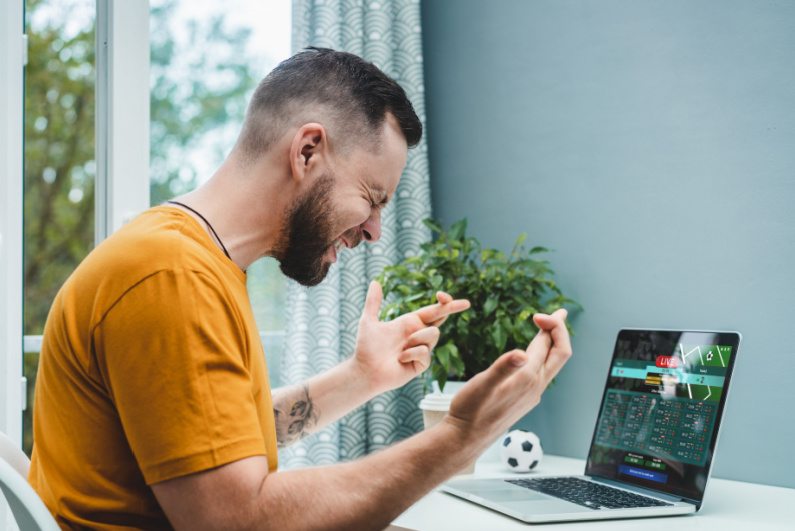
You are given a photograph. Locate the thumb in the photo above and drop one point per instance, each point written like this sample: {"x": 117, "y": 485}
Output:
{"x": 547, "y": 322}
{"x": 504, "y": 366}
{"x": 542, "y": 342}
{"x": 373, "y": 302}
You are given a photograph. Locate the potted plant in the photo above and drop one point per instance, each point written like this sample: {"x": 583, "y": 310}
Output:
{"x": 505, "y": 291}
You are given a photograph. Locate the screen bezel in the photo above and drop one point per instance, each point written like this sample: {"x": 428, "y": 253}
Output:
{"x": 727, "y": 338}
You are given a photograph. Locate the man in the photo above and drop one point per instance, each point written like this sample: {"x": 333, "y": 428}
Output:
{"x": 153, "y": 407}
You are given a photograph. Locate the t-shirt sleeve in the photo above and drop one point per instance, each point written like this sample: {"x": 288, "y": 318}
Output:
{"x": 172, "y": 355}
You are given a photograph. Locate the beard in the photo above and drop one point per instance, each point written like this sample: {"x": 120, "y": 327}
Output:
{"x": 307, "y": 234}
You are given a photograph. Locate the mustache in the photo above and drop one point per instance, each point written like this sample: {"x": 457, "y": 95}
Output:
{"x": 353, "y": 237}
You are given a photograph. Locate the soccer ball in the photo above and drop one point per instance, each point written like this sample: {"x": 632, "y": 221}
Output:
{"x": 521, "y": 451}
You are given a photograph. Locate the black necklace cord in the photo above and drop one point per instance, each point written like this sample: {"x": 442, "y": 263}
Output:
{"x": 208, "y": 224}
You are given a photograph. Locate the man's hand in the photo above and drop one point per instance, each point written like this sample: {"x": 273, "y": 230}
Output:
{"x": 495, "y": 399}
{"x": 391, "y": 353}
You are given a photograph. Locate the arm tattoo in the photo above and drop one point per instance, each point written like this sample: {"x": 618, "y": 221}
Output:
{"x": 295, "y": 415}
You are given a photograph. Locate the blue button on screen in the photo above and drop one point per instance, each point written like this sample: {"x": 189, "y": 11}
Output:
{"x": 645, "y": 474}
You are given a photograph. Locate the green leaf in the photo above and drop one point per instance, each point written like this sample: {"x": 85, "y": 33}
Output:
{"x": 456, "y": 364}
{"x": 431, "y": 224}
{"x": 507, "y": 325}
{"x": 457, "y": 367}
{"x": 415, "y": 297}
{"x": 552, "y": 308}
{"x": 388, "y": 311}
{"x": 519, "y": 242}
{"x": 440, "y": 375}
{"x": 419, "y": 277}
{"x": 490, "y": 306}
{"x": 458, "y": 229}
{"x": 443, "y": 355}
{"x": 461, "y": 328}
{"x": 499, "y": 335}
{"x": 535, "y": 250}
{"x": 524, "y": 332}
{"x": 454, "y": 354}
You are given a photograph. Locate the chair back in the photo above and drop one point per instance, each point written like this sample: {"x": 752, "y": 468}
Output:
{"x": 13, "y": 455}
{"x": 26, "y": 506}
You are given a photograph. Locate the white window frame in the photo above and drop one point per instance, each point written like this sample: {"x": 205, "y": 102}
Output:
{"x": 122, "y": 111}
{"x": 122, "y": 154}
{"x": 12, "y": 52}
{"x": 12, "y": 62}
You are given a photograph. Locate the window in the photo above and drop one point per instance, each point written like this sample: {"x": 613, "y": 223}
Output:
{"x": 59, "y": 161}
{"x": 206, "y": 59}
{"x": 79, "y": 185}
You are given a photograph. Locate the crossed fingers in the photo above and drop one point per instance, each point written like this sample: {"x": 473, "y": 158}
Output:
{"x": 436, "y": 314}
{"x": 551, "y": 347}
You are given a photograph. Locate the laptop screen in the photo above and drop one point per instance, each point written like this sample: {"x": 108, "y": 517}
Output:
{"x": 661, "y": 409}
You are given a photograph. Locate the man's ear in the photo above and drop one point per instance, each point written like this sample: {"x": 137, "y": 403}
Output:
{"x": 308, "y": 150}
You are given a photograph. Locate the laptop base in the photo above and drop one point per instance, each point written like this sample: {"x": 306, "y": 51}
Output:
{"x": 537, "y": 508}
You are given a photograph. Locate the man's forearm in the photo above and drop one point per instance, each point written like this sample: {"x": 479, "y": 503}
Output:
{"x": 295, "y": 413}
{"x": 303, "y": 409}
{"x": 365, "y": 494}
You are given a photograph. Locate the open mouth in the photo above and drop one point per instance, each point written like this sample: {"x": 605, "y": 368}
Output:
{"x": 336, "y": 248}
{"x": 339, "y": 244}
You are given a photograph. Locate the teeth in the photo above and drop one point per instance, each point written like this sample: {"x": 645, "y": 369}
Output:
{"x": 339, "y": 245}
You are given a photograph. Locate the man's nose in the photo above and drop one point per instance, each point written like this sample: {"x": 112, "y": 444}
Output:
{"x": 371, "y": 228}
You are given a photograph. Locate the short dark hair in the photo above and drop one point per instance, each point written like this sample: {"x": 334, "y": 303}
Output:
{"x": 354, "y": 96}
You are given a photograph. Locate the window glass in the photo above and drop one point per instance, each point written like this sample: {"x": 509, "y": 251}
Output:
{"x": 206, "y": 59}
{"x": 59, "y": 159}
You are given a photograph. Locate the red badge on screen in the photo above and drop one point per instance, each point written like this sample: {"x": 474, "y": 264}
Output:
{"x": 667, "y": 362}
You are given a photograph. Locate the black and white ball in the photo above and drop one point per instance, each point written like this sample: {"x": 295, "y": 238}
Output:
{"x": 521, "y": 451}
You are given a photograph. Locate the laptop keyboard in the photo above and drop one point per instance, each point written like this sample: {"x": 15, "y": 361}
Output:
{"x": 587, "y": 493}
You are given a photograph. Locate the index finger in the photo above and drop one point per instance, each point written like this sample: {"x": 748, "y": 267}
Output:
{"x": 434, "y": 312}
{"x": 556, "y": 324}
{"x": 443, "y": 297}
{"x": 560, "y": 352}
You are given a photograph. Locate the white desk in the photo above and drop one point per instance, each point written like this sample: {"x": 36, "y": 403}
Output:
{"x": 728, "y": 506}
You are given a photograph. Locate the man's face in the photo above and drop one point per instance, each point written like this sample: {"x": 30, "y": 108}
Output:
{"x": 342, "y": 208}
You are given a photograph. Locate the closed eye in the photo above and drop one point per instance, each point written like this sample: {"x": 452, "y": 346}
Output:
{"x": 378, "y": 196}
{"x": 380, "y": 204}
{"x": 383, "y": 202}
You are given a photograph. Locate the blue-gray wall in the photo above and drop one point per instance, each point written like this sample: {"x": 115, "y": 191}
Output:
{"x": 652, "y": 145}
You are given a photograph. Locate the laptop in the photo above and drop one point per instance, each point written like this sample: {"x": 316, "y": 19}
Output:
{"x": 654, "y": 441}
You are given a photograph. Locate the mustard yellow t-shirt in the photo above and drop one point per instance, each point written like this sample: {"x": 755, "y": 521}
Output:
{"x": 151, "y": 368}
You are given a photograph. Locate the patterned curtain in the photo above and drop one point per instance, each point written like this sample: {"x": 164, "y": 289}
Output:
{"x": 322, "y": 321}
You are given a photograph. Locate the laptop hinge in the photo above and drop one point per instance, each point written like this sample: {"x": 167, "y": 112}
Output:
{"x": 641, "y": 490}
